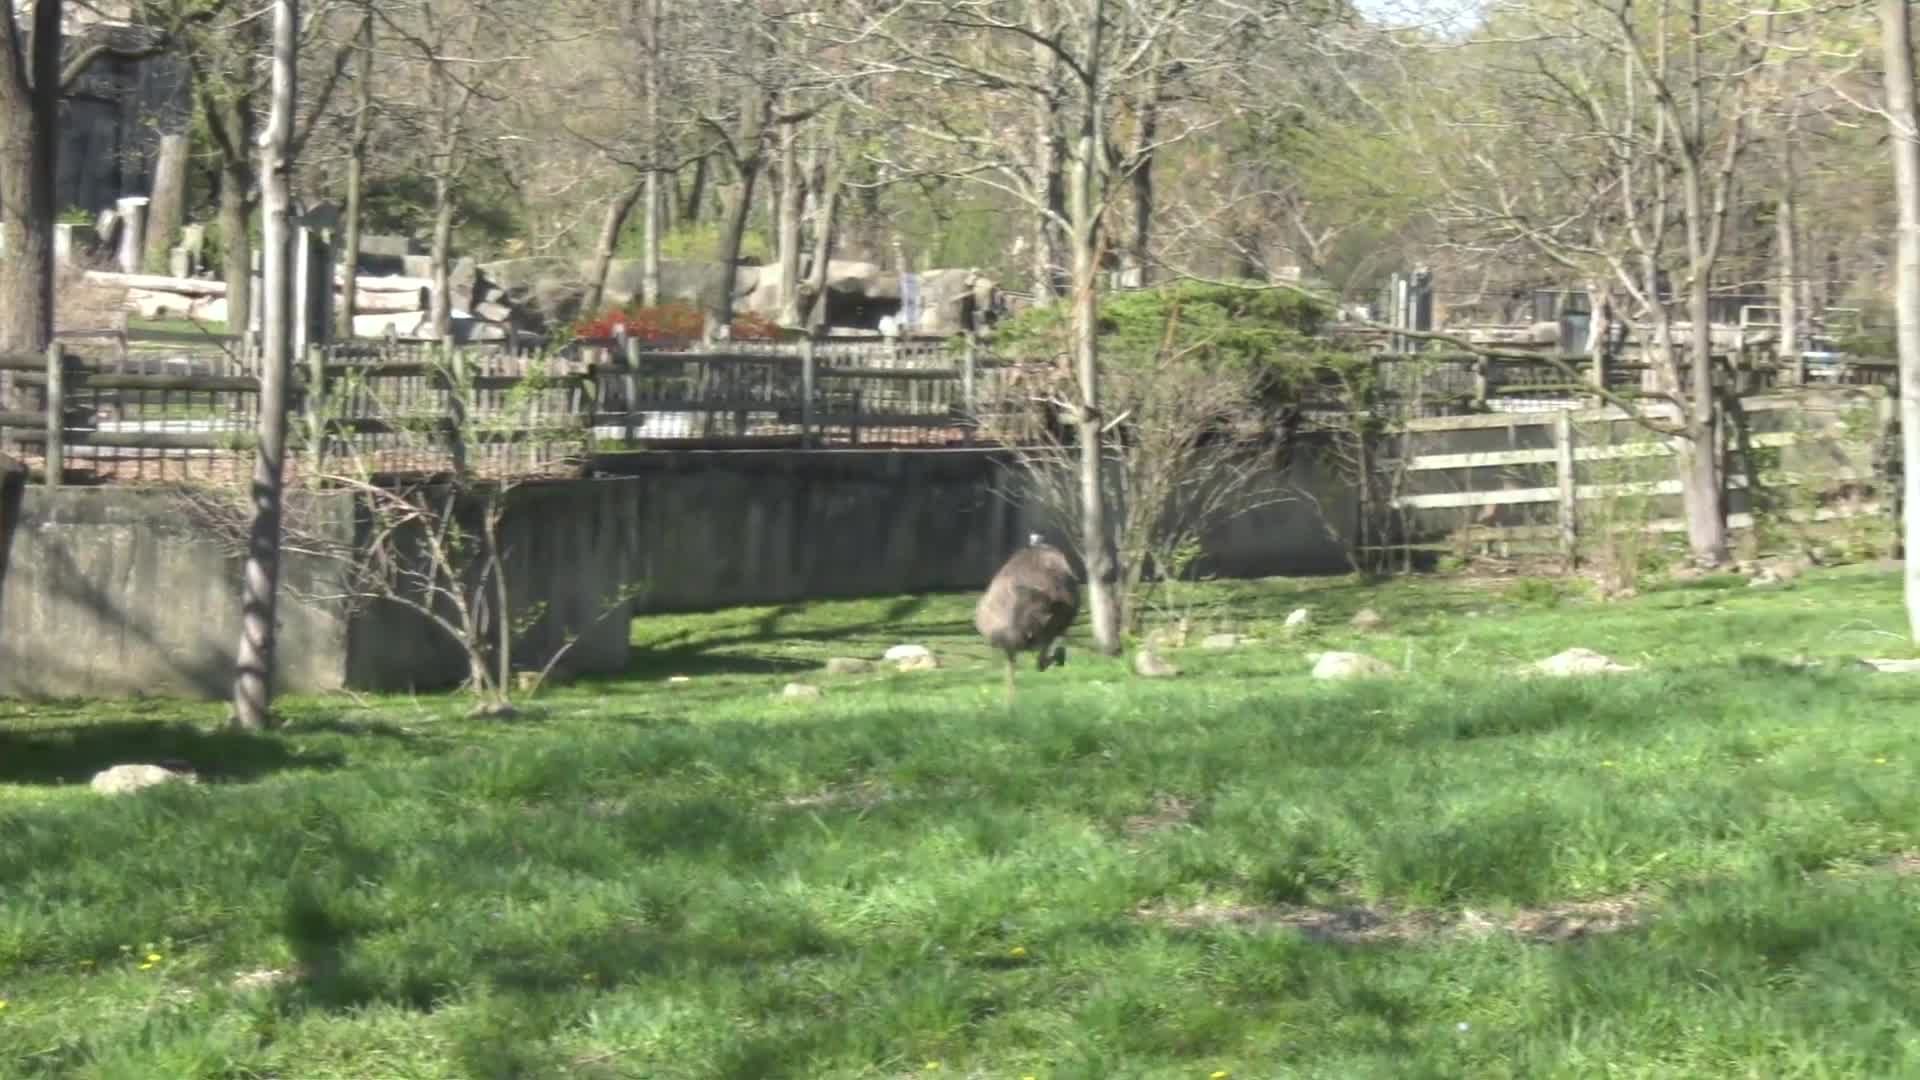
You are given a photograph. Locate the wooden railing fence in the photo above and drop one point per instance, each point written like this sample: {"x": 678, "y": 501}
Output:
{"x": 164, "y": 407}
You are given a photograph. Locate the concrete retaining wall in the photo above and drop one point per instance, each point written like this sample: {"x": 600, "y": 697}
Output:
{"x": 122, "y": 592}
{"x": 723, "y": 528}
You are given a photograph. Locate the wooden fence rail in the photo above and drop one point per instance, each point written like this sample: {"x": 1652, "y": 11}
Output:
{"x": 198, "y": 406}
{"x": 1465, "y": 477}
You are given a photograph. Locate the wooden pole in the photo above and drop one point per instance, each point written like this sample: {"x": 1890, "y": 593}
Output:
{"x": 807, "y": 361}
{"x": 56, "y": 415}
{"x": 1563, "y": 466}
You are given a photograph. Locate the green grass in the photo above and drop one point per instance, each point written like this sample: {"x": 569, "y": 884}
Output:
{"x": 214, "y": 328}
{"x": 653, "y": 878}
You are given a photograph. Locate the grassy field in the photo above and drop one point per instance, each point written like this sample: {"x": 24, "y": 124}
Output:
{"x": 1701, "y": 869}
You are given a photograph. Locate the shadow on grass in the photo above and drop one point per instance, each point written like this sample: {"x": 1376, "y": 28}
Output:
{"x": 673, "y": 653}
{"x": 69, "y": 754}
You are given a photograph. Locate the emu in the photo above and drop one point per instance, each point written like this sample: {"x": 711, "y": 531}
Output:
{"x": 1028, "y": 605}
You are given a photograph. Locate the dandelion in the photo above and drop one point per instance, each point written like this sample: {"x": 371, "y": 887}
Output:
{"x": 3, "y": 1004}
{"x": 1879, "y": 761}
{"x": 1219, "y": 1074}
{"x": 146, "y": 967}
{"x": 933, "y": 1066}
{"x": 1606, "y": 764}
{"x": 153, "y": 958}
{"x": 1017, "y": 952}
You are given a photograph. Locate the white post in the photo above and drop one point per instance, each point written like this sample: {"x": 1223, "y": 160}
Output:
{"x": 133, "y": 222}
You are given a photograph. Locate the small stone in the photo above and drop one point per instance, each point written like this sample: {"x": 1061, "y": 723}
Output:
{"x": 1148, "y": 665}
{"x": 1223, "y": 641}
{"x": 921, "y": 662}
{"x": 848, "y": 665}
{"x": 1367, "y": 619}
{"x": 124, "y": 778}
{"x": 1577, "y": 661}
{"x": 800, "y": 690}
{"x": 1300, "y": 617}
{"x": 1347, "y": 665}
{"x": 906, "y": 652}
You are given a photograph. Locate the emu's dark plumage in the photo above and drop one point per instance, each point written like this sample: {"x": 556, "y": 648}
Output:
{"x": 1028, "y": 605}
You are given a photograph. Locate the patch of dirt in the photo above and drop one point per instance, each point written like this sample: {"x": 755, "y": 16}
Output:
{"x": 1551, "y": 924}
{"x": 862, "y": 797}
{"x": 1359, "y": 923}
{"x": 263, "y": 979}
{"x": 1169, "y": 811}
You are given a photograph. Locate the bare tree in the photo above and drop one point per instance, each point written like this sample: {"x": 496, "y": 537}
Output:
{"x": 1073, "y": 66}
{"x": 1191, "y": 448}
{"x": 435, "y": 545}
{"x": 1607, "y": 143}
{"x": 253, "y": 678}
{"x": 460, "y": 54}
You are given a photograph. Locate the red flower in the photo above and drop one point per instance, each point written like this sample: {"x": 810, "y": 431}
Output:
{"x": 669, "y": 324}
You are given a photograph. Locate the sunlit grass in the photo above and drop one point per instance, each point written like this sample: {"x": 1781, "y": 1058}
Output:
{"x": 697, "y": 878}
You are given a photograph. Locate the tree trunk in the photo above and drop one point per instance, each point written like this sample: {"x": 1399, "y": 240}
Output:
{"x": 791, "y": 190}
{"x": 1049, "y": 186}
{"x": 732, "y": 236}
{"x": 1140, "y": 244}
{"x": 442, "y": 257}
{"x": 236, "y": 242}
{"x": 27, "y": 151}
{"x": 253, "y": 680}
{"x": 650, "y": 207}
{"x": 1904, "y": 120}
{"x": 611, "y": 226}
{"x": 691, "y": 210}
{"x": 1787, "y": 229}
{"x": 356, "y": 177}
{"x": 1700, "y": 460}
{"x": 826, "y": 206}
{"x": 29, "y": 108}
{"x": 753, "y": 123}
{"x": 1089, "y": 156}
{"x": 650, "y": 198}
{"x": 169, "y": 206}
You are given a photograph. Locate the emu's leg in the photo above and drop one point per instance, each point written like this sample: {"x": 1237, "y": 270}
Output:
{"x": 1010, "y": 663}
{"x": 1043, "y": 655}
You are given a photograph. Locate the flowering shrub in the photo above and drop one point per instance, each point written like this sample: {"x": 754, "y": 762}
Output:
{"x": 669, "y": 323}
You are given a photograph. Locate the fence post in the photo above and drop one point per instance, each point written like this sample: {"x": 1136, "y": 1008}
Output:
{"x": 1480, "y": 383}
{"x": 807, "y": 361}
{"x": 316, "y": 396}
{"x": 1563, "y": 465}
{"x": 56, "y": 414}
{"x": 631, "y": 384}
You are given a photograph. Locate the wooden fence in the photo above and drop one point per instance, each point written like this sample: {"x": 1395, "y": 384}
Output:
{"x": 118, "y": 413}
{"x": 165, "y": 407}
{"x": 1564, "y": 474}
